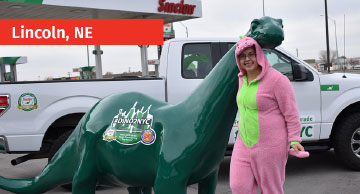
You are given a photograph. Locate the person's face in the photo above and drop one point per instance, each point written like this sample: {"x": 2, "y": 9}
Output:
{"x": 248, "y": 60}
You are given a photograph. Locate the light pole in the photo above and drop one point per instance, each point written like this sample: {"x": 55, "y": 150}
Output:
{"x": 263, "y": 8}
{"x": 87, "y": 50}
{"x": 337, "y": 51}
{"x": 187, "y": 33}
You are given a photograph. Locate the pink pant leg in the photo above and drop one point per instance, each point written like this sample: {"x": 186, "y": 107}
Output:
{"x": 242, "y": 179}
{"x": 269, "y": 168}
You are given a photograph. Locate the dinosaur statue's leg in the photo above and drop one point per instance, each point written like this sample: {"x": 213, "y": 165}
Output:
{"x": 146, "y": 190}
{"x": 171, "y": 179}
{"x": 166, "y": 185}
{"x": 139, "y": 190}
{"x": 208, "y": 185}
{"x": 85, "y": 178}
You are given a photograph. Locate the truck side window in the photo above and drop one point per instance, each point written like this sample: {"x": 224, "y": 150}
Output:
{"x": 196, "y": 60}
{"x": 230, "y": 45}
{"x": 279, "y": 62}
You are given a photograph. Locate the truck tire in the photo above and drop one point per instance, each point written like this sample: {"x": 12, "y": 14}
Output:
{"x": 347, "y": 141}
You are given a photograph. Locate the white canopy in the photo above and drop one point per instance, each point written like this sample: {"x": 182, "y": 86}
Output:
{"x": 102, "y": 9}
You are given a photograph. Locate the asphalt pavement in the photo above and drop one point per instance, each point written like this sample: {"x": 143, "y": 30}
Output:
{"x": 319, "y": 174}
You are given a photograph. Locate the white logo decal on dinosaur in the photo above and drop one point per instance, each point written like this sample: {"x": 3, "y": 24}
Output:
{"x": 132, "y": 127}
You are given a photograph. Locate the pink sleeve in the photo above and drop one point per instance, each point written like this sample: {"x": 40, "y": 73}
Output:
{"x": 285, "y": 97}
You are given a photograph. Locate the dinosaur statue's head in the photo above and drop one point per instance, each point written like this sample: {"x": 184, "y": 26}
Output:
{"x": 267, "y": 31}
{"x": 199, "y": 57}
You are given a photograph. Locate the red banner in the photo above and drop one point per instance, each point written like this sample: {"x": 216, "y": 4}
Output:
{"x": 81, "y": 32}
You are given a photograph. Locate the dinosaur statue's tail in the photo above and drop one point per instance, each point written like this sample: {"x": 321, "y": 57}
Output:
{"x": 60, "y": 170}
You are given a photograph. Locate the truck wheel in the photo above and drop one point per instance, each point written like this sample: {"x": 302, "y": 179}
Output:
{"x": 347, "y": 141}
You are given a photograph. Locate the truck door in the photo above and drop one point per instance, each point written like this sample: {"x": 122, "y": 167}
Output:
{"x": 307, "y": 93}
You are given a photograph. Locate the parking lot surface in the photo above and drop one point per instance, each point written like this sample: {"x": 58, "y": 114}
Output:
{"x": 319, "y": 174}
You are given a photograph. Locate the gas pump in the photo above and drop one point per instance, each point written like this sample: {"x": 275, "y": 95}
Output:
{"x": 12, "y": 62}
{"x": 87, "y": 72}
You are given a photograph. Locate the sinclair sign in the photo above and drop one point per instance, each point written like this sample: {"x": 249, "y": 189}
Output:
{"x": 180, "y": 8}
{"x": 168, "y": 10}
{"x": 165, "y": 9}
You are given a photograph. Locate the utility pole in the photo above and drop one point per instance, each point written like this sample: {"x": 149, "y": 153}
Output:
{"x": 344, "y": 44}
{"x": 327, "y": 38}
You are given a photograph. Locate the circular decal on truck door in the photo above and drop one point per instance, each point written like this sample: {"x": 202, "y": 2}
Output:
{"x": 27, "y": 102}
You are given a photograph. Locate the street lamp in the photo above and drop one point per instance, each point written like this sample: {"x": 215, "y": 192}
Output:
{"x": 337, "y": 51}
{"x": 263, "y": 8}
{"x": 87, "y": 50}
{"x": 187, "y": 33}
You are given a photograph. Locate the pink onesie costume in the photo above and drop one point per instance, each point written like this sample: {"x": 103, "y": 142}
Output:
{"x": 268, "y": 122}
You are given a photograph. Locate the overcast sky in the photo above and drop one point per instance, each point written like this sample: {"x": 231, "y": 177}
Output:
{"x": 304, "y": 30}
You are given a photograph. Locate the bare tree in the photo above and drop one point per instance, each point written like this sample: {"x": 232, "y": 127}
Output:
{"x": 353, "y": 62}
{"x": 109, "y": 73}
{"x": 323, "y": 56}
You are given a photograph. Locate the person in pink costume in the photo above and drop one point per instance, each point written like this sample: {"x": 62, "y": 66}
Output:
{"x": 268, "y": 124}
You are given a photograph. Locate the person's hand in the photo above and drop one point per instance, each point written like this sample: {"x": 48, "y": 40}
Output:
{"x": 298, "y": 147}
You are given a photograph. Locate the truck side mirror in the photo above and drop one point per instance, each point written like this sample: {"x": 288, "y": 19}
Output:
{"x": 301, "y": 73}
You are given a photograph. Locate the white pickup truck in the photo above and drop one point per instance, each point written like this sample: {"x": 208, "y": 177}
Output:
{"x": 36, "y": 117}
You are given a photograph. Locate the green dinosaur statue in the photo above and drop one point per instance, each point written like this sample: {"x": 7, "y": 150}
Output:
{"x": 267, "y": 31}
{"x": 188, "y": 61}
{"x": 160, "y": 146}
